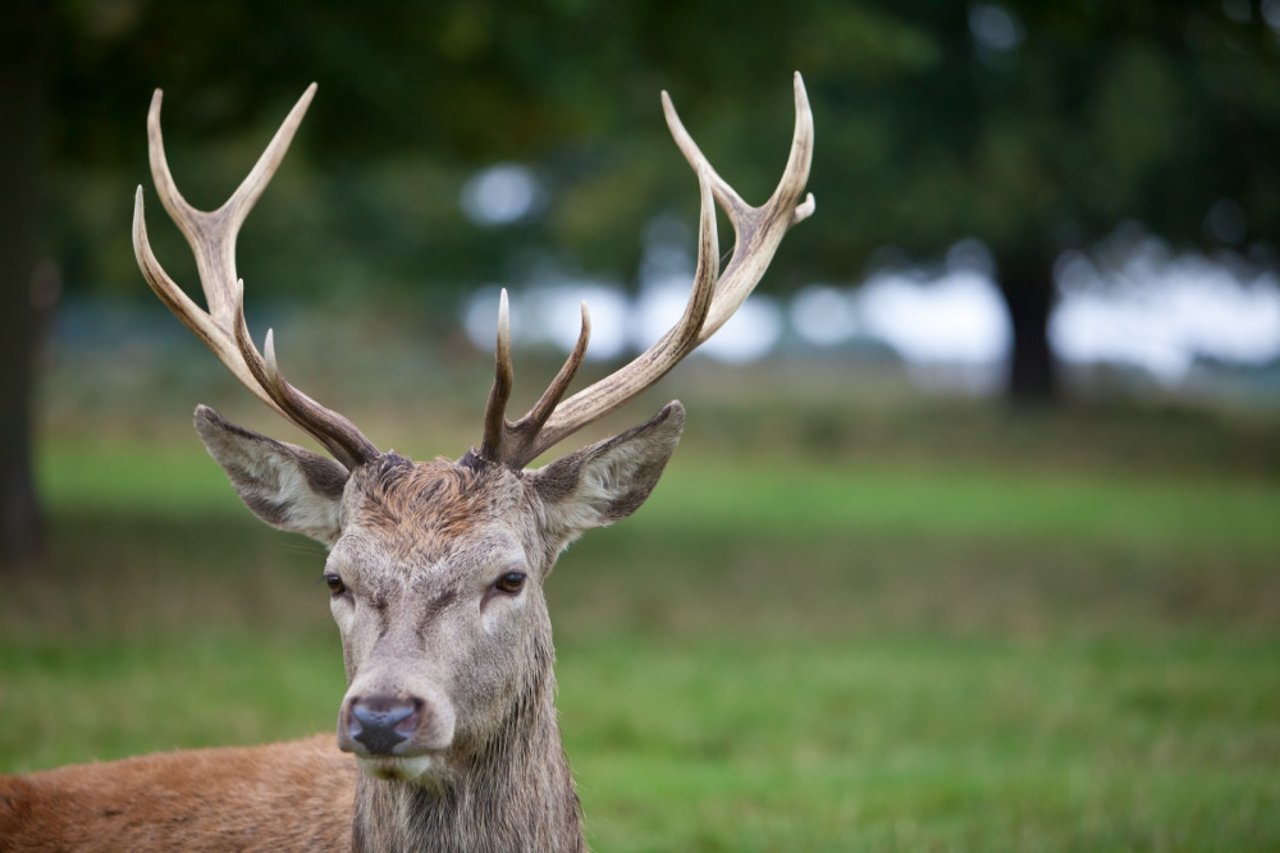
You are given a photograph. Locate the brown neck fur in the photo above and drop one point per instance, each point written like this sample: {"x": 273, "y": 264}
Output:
{"x": 514, "y": 792}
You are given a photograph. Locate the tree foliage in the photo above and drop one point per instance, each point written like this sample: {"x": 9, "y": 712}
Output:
{"x": 1033, "y": 127}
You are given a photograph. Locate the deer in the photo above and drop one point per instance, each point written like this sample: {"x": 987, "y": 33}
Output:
{"x": 447, "y": 735}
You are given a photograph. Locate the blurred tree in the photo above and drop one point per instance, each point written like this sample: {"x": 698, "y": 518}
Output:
{"x": 1048, "y": 125}
{"x": 24, "y": 41}
{"x": 1033, "y": 127}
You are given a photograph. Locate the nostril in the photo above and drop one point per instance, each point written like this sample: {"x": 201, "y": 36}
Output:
{"x": 383, "y": 723}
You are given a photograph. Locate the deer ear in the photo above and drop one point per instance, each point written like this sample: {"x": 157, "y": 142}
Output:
{"x": 286, "y": 486}
{"x": 607, "y": 481}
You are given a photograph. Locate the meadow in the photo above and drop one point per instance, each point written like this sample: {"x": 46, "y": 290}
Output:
{"x": 932, "y": 627}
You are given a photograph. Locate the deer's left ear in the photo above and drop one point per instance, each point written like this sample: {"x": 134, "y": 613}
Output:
{"x": 286, "y": 486}
{"x": 607, "y": 481}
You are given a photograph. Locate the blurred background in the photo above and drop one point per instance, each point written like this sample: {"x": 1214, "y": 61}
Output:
{"x": 974, "y": 537}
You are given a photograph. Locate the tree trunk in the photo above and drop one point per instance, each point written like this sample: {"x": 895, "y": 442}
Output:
{"x": 23, "y": 97}
{"x": 1026, "y": 283}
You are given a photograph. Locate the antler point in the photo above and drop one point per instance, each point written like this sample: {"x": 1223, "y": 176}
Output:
{"x": 804, "y": 210}
{"x": 503, "y": 349}
{"x": 669, "y": 109}
{"x": 802, "y": 96}
{"x": 269, "y": 352}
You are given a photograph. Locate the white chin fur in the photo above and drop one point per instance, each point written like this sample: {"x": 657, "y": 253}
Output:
{"x": 402, "y": 769}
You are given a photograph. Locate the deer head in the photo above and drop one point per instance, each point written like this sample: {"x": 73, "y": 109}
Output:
{"x": 436, "y": 568}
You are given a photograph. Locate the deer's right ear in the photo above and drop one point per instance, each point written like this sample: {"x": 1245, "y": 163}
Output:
{"x": 286, "y": 486}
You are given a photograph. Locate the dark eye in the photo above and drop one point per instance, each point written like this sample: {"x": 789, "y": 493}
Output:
{"x": 336, "y": 586}
{"x": 511, "y": 582}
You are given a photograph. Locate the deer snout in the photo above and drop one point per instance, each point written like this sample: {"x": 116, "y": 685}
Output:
{"x": 380, "y": 724}
{"x": 393, "y": 725}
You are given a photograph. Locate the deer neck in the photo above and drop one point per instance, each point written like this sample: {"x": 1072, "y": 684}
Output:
{"x": 514, "y": 792}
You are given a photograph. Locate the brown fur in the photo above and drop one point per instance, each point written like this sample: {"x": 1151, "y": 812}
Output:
{"x": 425, "y": 507}
{"x": 508, "y": 786}
{"x": 287, "y": 796}
{"x": 512, "y": 793}
{"x": 418, "y": 549}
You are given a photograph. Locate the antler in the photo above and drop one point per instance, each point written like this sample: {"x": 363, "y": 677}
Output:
{"x": 713, "y": 300}
{"x": 212, "y": 237}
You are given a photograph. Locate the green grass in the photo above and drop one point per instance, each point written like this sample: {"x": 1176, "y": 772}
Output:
{"x": 811, "y": 652}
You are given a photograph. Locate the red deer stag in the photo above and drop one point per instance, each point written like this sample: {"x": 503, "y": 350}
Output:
{"x": 435, "y": 570}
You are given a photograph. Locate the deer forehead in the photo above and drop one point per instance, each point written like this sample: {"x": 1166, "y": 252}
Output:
{"x": 438, "y": 518}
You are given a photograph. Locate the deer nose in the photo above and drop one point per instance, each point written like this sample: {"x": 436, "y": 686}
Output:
{"x": 381, "y": 723}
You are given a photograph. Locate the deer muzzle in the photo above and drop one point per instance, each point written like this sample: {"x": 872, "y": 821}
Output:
{"x": 380, "y": 724}
{"x": 394, "y": 725}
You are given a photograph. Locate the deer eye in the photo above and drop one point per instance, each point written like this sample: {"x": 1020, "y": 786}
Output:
{"x": 335, "y": 584}
{"x": 511, "y": 582}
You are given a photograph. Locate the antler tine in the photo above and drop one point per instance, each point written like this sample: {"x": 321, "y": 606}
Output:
{"x": 495, "y": 411}
{"x": 714, "y": 296}
{"x": 759, "y": 230}
{"x": 212, "y": 237}
{"x": 796, "y": 173}
{"x": 333, "y": 430}
{"x": 537, "y": 416}
{"x": 218, "y": 229}
{"x": 250, "y": 190}
{"x": 725, "y": 194}
{"x": 508, "y": 442}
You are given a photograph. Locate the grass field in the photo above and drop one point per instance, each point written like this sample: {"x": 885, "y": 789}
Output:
{"x": 1069, "y": 644}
